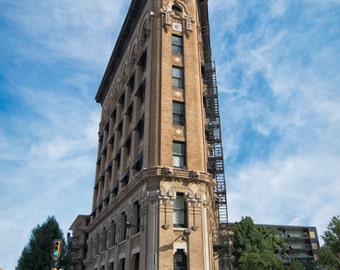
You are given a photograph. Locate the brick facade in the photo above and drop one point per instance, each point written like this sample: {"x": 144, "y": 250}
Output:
{"x": 153, "y": 200}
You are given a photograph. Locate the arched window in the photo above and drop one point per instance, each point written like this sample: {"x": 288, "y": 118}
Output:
{"x": 180, "y": 260}
{"x": 176, "y": 8}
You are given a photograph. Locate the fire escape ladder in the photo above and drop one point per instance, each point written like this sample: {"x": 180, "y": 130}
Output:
{"x": 214, "y": 139}
{"x": 216, "y": 162}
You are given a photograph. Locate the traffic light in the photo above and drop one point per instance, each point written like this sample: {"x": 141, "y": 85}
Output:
{"x": 56, "y": 248}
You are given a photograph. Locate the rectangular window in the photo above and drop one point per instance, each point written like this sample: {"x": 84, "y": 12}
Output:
{"x": 117, "y": 158}
{"x": 179, "y": 155}
{"x": 138, "y": 164}
{"x": 136, "y": 261}
{"x": 137, "y": 216}
{"x": 177, "y": 44}
{"x": 177, "y": 77}
{"x": 140, "y": 93}
{"x": 122, "y": 264}
{"x": 131, "y": 83}
{"x": 140, "y": 128}
{"x": 180, "y": 211}
{"x": 128, "y": 145}
{"x": 113, "y": 233}
{"x": 142, "y": 62}
{"x": 178, "y": 113}
{"x": 124, "y": 228}
{"x": 129, "y": 112}
{"x": 121, "y": 100}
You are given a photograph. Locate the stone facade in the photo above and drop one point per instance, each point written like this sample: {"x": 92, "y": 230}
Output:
{"x": 153, "y": 202}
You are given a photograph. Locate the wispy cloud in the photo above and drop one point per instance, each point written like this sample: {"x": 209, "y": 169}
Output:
{"x": 53, "y": 56}
{"x": 277, "y": 67}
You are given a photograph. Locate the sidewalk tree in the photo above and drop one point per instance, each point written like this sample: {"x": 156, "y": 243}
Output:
{"x": 36, "y": 255}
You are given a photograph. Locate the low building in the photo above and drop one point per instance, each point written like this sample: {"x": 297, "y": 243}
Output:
{"x": 302, "y": 244}
{"x": 302, "y": 241}
{"x": 77, "y": 241}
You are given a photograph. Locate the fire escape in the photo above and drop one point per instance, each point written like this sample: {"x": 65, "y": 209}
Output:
{"x": 214, "y": 139}
{"x": 216, "y": 163}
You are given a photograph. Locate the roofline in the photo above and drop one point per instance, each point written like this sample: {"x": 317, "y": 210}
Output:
{"x": 130, "y": 22}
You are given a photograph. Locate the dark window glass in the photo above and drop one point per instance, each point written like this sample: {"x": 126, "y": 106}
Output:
{"x": 128, "y": 145}
{"x": 180, "y": 211}
{"x": 177, "y": 44}
{"x": 122, "y": 264}
{"x": 177, "y": 77}
{"x": 178, "y": 113}
{"x": 137, "y": 261}
{"x": 142, "y": 62}
{"x": 140, "y": 128}
{"x": 138, "y": 164}
{"x": 179, "y": 155}
{"x": 180, "y": 260}
{"x": 129, "y": 112}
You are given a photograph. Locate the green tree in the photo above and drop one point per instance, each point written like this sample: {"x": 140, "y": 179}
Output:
{"x": 296, "y": 265}
{"x": 329, "y": 253}
{"x": 36, "y": 255}
{"x": 256, "y": 247}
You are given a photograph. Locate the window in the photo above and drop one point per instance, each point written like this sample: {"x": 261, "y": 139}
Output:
{"x": 120, "y": 128}
{"x": 138, "y": 164}
{"x": 178, "y": 158}
{"x": 180, "y": 211}
{"x": 177, "y": 77}
{"x": 112, "y": 265}
{"x": 122, "y": 264}
{"x": 180, "y": 260}
{"x": 128, "y": 145}
{"x": 129, "y": 111}
{"x": 178, "y": 113}
{"x": 142, "y": 62}
{"x": 137, "y": 216}
{"x": 136, "y": 257}
{"x": 140, "y": 128}
{"x": 131, "y": 83}
{"x": 177, "y": 44}
{"x": 121, "y": 100}
{"x": 125, "y": 178}
{"x": 117, "y": 158}
{"x": 124, "y": 228}
{"x": 112, "y": 142}
{"x": 97, "y": 243}
{"x": 141, "y": 92}
{"x": 104, "y": 239}
{"x": 176, "y": 8}
{"x": 114, "y": 116}
{"x": 113, "y": 233}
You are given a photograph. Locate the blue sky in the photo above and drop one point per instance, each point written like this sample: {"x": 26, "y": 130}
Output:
{"x": 278, "y": 76}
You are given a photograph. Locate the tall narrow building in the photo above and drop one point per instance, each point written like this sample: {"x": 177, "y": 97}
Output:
{"x": 159, "y": 192}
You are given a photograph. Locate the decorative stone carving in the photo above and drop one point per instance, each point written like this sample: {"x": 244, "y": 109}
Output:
{"x": 167, "y": 171}
{"x": 168, "y": 16}
{"x": 194, "y": 174}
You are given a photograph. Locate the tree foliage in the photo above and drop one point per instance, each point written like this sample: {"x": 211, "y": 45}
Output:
{"x": 256, "y": 247}
{"x": 296, "y": 265}
{"x": 36, "y": 255}
{"x": 329, "y": 253}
